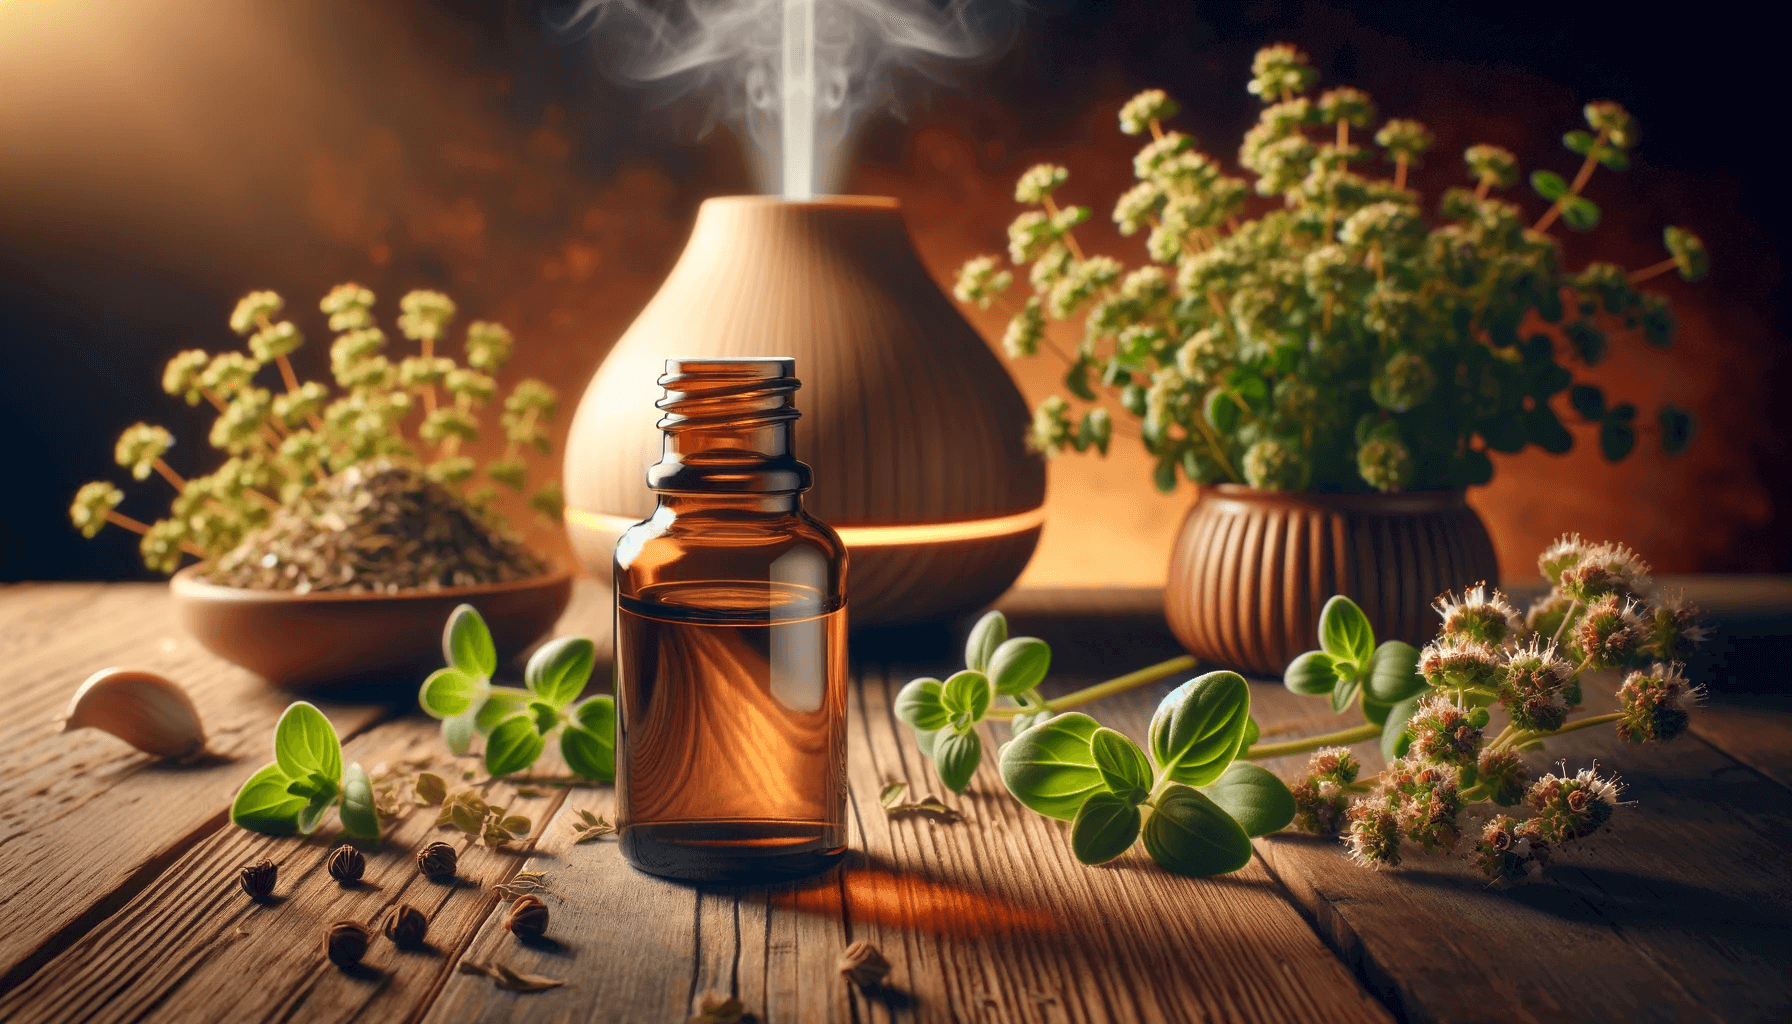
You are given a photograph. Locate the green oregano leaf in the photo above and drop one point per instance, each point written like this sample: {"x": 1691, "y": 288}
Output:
{"x": 1253, "y": 797}
{"x": 457, "y": 733}
{"x": 1019, "y": 664}
{"x": 1312, "y": 674}
{"x": 1122, "y": 764}
{"x": 1106, "y": 826}
{"x": 1050, "y": 767}
{"x": 467, "y": 643}
{"x": 512, "y": 746}
{"x": 305, "y": 742}
{"x": 560, "y": 668}
{"x": 264, "y": 805}
{"x": 988, "y": 634}
{"x": 1394, "y": 672}
{"x": 925, "y": 739}
{"x": 966, "y": 693}
{"x": 449, "y": 692}
{"x": 1344, "y": 693}
{"x": 1189, "y": 834}
{"x": 500, "y": 703}
{"x": 589, "y": 754}
{"x": 359, "y": 820}
{"x": 1394, "y": 739}
{"x": 1344, "y": 632}
{"x": 919, "y": 705}
{"x": 956, "y": 755}
{"x": 1199, "y": 727}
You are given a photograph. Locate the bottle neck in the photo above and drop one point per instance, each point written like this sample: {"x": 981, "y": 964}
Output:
{"x": 727, "y": 433}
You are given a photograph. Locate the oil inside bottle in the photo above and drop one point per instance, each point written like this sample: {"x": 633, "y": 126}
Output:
{"x": 730, "y": 754}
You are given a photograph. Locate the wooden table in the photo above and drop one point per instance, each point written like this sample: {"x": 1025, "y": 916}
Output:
{"x": 119, "y": 901}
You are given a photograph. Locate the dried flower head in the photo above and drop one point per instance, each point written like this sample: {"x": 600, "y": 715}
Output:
{"x": 1385, "y": 464}
{"x": 346, "y": 864}
{"x": 1610, "y": 633}
{"x": 93, "y": 505}
{"x": 1151, "y": 105}
{"x": 1456, "y": 664}
{"x": 1503, "y": 775}
{"x": 258, "y": 879}
{"x": 981, "y": 280}
{"x": 1373, "y": 834}
{"x": 528, "y": 917}
{"x": 406, "y": 926}
{"x": 1535, "y": 687}
{"x": 864, "y": 965}
{"x": 437, "y": 861}
{"x": 1442, "y": 733}
{"x": 1334, "y": 764}
{"x": 345, "y": 943}
{"x": 1655, "y": 703}
{"x": 1510, "y": 850}
{"x": 1480, "y": 615}
{"x": 1279, "y": 72}
{"x": 253, "y": 309}
{"x": 1570, "y": 807}
{"x": 1672, "y": 627}
{"x": 1039, "y": 182}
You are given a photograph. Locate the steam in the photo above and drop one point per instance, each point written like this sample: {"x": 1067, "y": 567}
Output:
{"x": 794, "y": 77}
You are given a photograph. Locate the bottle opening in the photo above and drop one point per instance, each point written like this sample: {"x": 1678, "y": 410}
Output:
{"x": 727, "y": 426}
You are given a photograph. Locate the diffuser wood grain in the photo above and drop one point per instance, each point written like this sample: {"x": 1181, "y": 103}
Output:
{"x": 908, "y": 418}
{"x": 1252, "y": 569}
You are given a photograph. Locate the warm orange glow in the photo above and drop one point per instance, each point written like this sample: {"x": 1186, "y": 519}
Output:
{"x": 867, "y": 536}
{"x": 903, "y": 900}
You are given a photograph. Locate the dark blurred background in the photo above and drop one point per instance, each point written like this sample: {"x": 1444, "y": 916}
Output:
{"x": 157, "y": 161}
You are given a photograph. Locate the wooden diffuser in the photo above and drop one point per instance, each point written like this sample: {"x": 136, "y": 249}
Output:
{"x": 914, "y": 429}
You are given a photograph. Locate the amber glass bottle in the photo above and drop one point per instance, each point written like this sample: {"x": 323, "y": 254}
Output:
{"x": 730, "y": 642}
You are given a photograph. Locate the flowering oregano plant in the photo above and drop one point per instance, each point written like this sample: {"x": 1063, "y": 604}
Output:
{"x": 283, "y": 440}
{"x": 1436, "y": 719}
{"x": 1343, "y": 341}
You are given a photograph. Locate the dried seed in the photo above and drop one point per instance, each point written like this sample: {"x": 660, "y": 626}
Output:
{"x": 258, "y": 879}
{"x": 406, "y": 926}
{"x": 437, "y": 861}
{"x": 528, "y": 917}
{"x": 345, "y": 943}
{"x": 863, "y": 965}
{"x": 346, "y": 864}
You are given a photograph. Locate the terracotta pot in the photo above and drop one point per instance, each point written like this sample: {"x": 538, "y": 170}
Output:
{"x": 1251, "y": 569}
{"x": 914, "y": 430}
{"x": 312, "y": 640}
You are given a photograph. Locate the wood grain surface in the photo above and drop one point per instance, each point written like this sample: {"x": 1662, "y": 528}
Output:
{"x": 118, "y": 897}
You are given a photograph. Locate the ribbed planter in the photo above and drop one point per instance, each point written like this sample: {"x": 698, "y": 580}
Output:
{"x": 1251, "y": 569}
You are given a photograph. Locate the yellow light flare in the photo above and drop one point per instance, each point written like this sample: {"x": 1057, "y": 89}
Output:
{"x": 867, "y": 536}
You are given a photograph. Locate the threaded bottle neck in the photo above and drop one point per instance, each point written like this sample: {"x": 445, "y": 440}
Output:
{"x": 727, "y": 427}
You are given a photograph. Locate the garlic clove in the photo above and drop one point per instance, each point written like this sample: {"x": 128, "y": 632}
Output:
{"x": 146, "y": 710}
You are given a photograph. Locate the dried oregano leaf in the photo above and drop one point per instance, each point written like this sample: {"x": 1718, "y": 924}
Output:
{"x": 512, "y": 981}
{"x": 523, "y": 884}
{"x": 892, "y": 794}
{"x": 714, "y": 1008}
{"x": 431, "y": 789}
{"x": 590, "y": 827}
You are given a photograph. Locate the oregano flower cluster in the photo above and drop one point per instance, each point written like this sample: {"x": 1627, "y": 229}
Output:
{"x": 1436, "y": 720}
{"x": 1344, "y": 340}
{"x": 283, "y": 438}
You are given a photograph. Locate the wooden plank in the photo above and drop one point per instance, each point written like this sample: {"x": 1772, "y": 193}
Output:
{"x": 71, "y": 795}
{"x": 191, "y": 943}
{"x": 1677, "y": 913}
{"x": 987, "y": 919}
{"x": 1755, "y": 729}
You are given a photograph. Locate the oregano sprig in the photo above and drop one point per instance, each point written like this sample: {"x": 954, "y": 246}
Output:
{"x": 292, "y": 795}
{"x": 518, "y": 721}
{"x": 1193, "y": 808}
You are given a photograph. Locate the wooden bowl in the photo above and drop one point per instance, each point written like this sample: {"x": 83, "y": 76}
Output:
{"x": 308, "y": 641}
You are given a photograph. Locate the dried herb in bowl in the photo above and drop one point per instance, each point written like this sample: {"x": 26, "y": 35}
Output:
{"x": 380, "y": 527}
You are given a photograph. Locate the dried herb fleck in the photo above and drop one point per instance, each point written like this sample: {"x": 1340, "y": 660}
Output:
{"x": 864, "y": 965}
{"x": 525, "y": 883}
{"x": 715, "y": 1008}
{"x": 509, "y": 980}
{"x": 590, "y": 827}
{"x": 891, "y": 799}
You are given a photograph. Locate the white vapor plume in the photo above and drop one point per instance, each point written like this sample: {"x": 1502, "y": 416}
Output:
{"x": 793, "y": 76}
